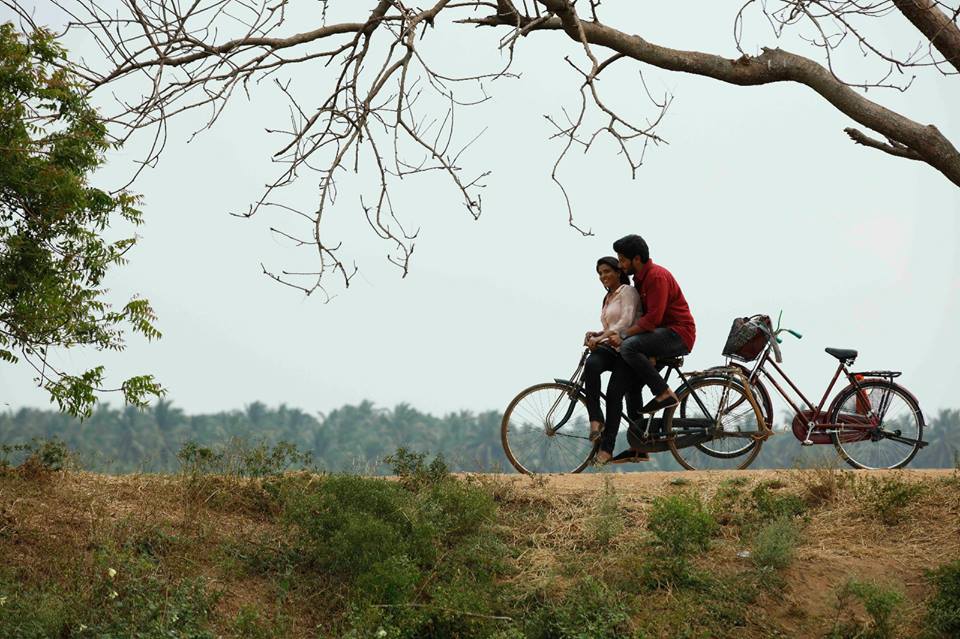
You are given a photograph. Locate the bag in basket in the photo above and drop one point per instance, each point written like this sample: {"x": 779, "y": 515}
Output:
{"x": 748, "y": 337}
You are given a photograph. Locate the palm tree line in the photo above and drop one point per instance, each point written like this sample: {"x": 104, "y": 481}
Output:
{"x": 353, "y": 438}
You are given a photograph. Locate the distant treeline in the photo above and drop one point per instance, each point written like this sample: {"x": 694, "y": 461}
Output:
{"x": 353, "y": 438}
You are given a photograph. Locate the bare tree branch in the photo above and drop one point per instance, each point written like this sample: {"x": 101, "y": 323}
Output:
{"x": 941, "y": 30}
{"x": 387, "y": 111}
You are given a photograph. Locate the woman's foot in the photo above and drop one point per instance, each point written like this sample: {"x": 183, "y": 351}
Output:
{"x": 596, "y": 428}
{"x": 602, "y": 458}
{"x": 661, "y": 402}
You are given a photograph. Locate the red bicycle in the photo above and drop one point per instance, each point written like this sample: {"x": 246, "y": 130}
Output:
{"x": 873, "y": 422}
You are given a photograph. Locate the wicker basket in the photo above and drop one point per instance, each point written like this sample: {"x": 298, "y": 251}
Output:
{"x": 748, "y": 337}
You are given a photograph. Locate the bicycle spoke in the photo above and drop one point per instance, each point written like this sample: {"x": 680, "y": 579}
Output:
{"x": 898, "y": 434}
{"x": 731, "y": 444}
{"x": 534, "y": 438}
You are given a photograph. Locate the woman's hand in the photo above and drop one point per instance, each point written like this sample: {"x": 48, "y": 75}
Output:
{"x": 590, "y": 335}
{"x": 613, "y": 338}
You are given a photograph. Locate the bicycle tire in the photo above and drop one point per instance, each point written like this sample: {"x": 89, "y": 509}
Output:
{"x": 759, "y": 391}
{"x": 524, "y": 431}
{"x": 853, "y": 450}
{"x": 700, "y": 455}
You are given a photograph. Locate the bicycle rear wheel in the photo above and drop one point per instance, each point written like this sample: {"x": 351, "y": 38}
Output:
{"x": 546, "y": 429}
{"x": 898, "y": 429}
{"x": 727, "y": 446}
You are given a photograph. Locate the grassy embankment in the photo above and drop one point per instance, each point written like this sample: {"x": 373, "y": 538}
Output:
{"x": 243, "y": 550}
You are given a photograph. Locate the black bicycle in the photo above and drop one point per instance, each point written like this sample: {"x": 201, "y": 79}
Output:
{"x": 717, "y": 425}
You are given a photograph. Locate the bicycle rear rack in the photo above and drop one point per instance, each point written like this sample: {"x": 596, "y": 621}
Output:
{"x": 884, "y": 374}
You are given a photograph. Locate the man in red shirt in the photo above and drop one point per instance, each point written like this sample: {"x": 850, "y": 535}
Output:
{"x": 665, "y": 329}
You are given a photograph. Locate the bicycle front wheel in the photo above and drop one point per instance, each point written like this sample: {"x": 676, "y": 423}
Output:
{"x": 896, "y": 420}
{"x": 727, "y": 443}
{"x": 546, "y": 429}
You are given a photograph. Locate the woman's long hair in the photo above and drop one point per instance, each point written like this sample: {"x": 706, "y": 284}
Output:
{"x": 613, "y": 263}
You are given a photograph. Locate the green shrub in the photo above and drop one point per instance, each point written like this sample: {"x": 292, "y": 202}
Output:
{"x": 250, "y": 625}
{"x": 410, "y": 468}
{"x": 588, "y": 610}
{"x": 774, "y": 544}
{"x": 771, "y": 505}
{"x": 39, "y": 455}
{"x": 726, "y": 505}
{"x": 886, "y": 497}
{"x": 943, "y": 610}
{"x": 199, "y": 460}
{"x": 880, "y": 602}
{"x": 605, "y": 522}
{"x": 242, "y": 459}
{"x": 681, "y": 524}
{"x": 263, "y": 460}
{"x": 348, "y": 525}
{"x": 416, "y": 558}
{"x": 126, "y": 596}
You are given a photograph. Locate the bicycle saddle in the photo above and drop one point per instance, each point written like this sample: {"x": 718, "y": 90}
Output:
{"x": 842, "y": 353}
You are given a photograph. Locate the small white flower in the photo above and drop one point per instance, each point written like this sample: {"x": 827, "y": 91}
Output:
{"x": 3, "y": 600}
{"x": 81, "y": 628}
{"x": 113, "y": 594}
{"x": 111, "y": 573}
{"x": 381, "y": 633}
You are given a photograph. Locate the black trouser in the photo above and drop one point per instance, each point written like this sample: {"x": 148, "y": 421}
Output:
{"x": 633, "y": 371}
{"x": 601, "y": 360}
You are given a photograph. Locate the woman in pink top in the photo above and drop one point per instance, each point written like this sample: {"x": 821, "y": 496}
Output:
{"x": 621, "y": 306}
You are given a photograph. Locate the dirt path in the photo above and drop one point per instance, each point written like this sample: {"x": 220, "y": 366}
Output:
{"x": 653, "y": 482}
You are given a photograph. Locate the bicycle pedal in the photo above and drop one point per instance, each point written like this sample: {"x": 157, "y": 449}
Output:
{"x": 806, "y": 442}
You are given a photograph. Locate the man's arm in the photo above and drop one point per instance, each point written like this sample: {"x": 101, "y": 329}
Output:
{"x": 656, "y": 305}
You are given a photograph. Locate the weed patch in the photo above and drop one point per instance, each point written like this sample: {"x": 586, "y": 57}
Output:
{"x": 35, "y": 459}
{"x": 416, "y": 557}
{"x": 681, "y": 525}
{"x": 822, "y": 485}
{"x": 606, "y": 522}
{"x": 774, "y": 544}
{"x": 880, "y": 603}
{"x": 242, "y": 459}
{"x": 943, "y": 609}
{"x": 124, "y": 595}
{"x": 588, "y": 609}
{"x": 887, "y": 497}
{"x": 772, "y": 505}
{"x": 413, "y": 471}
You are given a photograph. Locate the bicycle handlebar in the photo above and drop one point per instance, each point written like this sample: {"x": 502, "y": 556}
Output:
{"x": 788, "y": 330}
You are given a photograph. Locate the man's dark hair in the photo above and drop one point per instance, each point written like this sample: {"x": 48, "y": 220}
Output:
{"x": 631, "y": 246}
{"x": 613, "y": 263}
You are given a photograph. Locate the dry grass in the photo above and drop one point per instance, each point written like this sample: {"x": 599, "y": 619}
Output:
{"x": 841, "y": 538}
{"x": 549, "y": 523}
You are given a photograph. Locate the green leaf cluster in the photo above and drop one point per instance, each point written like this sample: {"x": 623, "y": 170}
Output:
{"x": 54, "y": 254}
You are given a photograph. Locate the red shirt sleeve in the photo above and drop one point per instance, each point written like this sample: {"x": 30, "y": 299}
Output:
{"x": 656, "y": 289}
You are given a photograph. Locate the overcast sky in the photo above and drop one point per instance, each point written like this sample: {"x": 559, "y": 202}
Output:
{"x": 758, "y": 203}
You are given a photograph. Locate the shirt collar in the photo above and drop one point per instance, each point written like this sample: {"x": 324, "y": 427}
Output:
{"x": 639, "y": 276}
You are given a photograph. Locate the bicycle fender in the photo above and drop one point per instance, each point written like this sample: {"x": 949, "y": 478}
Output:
{"x": 850, "y": 386}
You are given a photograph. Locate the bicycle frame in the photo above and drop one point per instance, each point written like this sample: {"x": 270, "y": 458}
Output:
{"x": 812, "y": 417}
{"x": 577, "y": 390}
